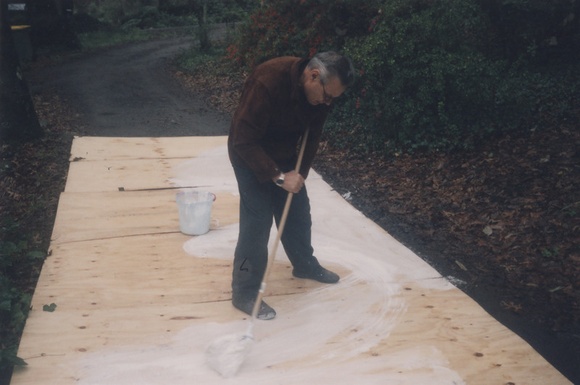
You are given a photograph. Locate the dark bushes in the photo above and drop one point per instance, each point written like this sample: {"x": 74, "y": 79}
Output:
{"x": 433, "y": 75}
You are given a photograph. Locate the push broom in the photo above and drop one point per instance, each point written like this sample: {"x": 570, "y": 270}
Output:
{"x": 226, "y": 354}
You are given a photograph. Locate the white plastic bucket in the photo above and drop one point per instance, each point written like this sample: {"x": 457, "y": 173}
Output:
{"x": 194, "y": 211}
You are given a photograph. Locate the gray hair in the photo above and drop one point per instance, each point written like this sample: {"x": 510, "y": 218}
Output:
{"x": 331, "y": 64}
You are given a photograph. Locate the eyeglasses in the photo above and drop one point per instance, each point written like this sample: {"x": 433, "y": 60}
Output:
{"x": 326, "y": 97}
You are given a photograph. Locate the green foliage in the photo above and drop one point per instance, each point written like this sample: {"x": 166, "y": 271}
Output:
{"x": 113, "y": 23}
{"x": 433, "y": 75}
{"x": 195, "y": 59}
{"x": 113, "y": 37}
{"x": 550, "y": 253}
{"x": 230, "y": 11}
{"x": 300, "y": 28}
{"x": 423, "y": 83}
{"x": 428, "y": 82}
{"x": 100, "y": 39}
{"x": 8, "y": 358}
{"x": 14, "y": 302}
{"x": 174, "y": 13}
{"x": 108, "y": 11}
{"x": 14, "y": 305}
{"x": 150, "y": 17}
{"x": 534, "y": 31}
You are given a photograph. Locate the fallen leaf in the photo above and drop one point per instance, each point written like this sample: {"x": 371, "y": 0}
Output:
{"x": 487, "y": 230}
{"x": 49, "y": 308}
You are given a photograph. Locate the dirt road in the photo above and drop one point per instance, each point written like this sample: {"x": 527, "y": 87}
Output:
{"x": 126, "y": 91}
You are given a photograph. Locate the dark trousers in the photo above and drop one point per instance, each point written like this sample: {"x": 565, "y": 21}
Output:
{"x": 259, "y": 204}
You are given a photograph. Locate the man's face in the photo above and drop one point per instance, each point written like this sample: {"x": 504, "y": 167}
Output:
{"x": 319, "y": 93}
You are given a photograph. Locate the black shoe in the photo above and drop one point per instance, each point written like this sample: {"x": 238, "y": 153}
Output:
{"x": 247, "y": 306}
{"x": 318, "y": 273}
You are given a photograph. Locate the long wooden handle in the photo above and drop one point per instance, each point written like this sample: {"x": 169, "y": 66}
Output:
{"x": 281, "y": 226}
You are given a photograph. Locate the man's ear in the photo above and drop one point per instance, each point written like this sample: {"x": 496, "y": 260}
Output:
{"x": 314, "y": 74}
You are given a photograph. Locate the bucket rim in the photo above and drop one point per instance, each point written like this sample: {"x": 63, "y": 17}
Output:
{"x": 182, "y": 193}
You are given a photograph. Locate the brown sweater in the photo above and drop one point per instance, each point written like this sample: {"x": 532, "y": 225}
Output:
{"x": 272, "y": 116}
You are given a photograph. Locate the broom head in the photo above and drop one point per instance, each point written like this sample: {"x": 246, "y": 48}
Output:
{"x": 226, "y": 354}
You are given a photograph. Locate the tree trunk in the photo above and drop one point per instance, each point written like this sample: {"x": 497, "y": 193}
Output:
{"x": 199, "y": 8}
{"x": 204, "y": 41}
{"x": 18, "y": 120}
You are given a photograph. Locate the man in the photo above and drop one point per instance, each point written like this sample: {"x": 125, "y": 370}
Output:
{"x": 281, "y": 99}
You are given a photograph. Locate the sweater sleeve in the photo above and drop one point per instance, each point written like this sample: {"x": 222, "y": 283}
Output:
{"x": 249, "y": 128}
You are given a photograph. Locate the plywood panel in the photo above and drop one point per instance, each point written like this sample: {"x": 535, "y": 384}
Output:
{"x": 138, "y": 302}
{"x": 113, "y": 175}
{"x": 451, "y": 324}
{"x": 149, "y": 163}
{"x": 139, "y": 270}
{"x": 108, "y": 148}
{"x": 100, "y": 215}
{"x": 123, "y": 291}
{"x": 55, "y": 343}
{"x": 214, "y": 172}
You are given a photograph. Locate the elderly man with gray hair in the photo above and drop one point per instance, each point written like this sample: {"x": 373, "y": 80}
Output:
{"x": 282, "y": 100}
